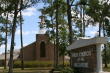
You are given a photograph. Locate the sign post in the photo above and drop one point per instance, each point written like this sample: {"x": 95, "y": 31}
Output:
{"x": 99, "y": 58}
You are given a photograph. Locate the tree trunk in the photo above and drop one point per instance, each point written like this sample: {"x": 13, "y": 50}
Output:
{"x": 83, "y": 23}
{"x": 54, "y": 42}
{"x": 12, "y": 39}
{"x": 70, "y": 26}
{"x": 6, "y": 43}
{"x": 21, "y": 37}
{"x": 63, "y": 60}
{"x": 105, "y": 55}
{"x": 81, "y": 17}
{"x": 100, "y": 28}
{"x": 105, "y": 49}
{"x": 69, "y": 21}
{"x": 57, "y": 39}
{"x": 54, "y": 54}
{"x": 54, "y": 38}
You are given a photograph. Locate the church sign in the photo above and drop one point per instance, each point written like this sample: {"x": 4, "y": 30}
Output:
{"x": 84, "y": 59}
{"x": 86, "y": 54}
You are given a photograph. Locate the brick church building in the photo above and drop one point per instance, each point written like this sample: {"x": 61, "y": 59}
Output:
{"x": 40, "y": 50}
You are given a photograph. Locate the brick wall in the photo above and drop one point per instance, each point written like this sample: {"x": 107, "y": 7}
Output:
{"x": 32, "y": 51}
{"x": 29, "y": 52}
{"x": 49, "y": 48}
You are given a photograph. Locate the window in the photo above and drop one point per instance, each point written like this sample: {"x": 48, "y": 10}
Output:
{"x": 42, "y": 49}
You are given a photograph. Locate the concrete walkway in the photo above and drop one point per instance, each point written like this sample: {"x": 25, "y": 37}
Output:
{"x": 106, "y": 72}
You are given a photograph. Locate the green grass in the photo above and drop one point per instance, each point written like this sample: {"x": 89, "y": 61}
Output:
{"x": 37, "y": 70}
{"x": 27, "y": 70}
{"x": 107, "y": 69}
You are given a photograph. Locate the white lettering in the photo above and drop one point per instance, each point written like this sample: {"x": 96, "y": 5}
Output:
{"x": 84, "y": 65}
{"x": 82, "y": 54}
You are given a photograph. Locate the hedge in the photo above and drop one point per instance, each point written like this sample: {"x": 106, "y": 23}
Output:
{"x": 33, "y": 64}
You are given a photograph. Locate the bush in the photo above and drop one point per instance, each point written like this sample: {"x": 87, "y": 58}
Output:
{"x": 66, "y": 63}
{"x": 64, "y": 69}
{"x": 67, "y": 70}
{"x": 32, "y": 64}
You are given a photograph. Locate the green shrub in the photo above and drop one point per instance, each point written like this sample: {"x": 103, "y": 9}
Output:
{"x": 63, "y": 69}
{"x": 66, "y": 63}
{"x": 31, "y": 64}
{"x": 67, "y": 70}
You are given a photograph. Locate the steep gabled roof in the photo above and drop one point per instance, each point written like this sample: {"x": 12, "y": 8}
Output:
{"x": 30, "y": 44}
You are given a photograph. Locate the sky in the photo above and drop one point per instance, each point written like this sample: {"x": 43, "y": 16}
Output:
{"x": 31, "y": 28}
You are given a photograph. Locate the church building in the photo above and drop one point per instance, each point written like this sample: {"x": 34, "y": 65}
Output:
{"x": 40, "y": 50}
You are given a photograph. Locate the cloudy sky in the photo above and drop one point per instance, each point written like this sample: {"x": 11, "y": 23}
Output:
{"x": 30, "y": 27}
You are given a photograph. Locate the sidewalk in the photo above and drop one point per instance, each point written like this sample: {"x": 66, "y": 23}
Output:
{"x": 106, "y": 72}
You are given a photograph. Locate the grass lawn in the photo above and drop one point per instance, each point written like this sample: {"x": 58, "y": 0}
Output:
{"x": 107, "y": 69}
{"x": 27, "y": 70}
{"x": 37, "y": 70}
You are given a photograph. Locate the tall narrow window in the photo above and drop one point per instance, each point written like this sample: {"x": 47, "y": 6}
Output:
{"x": 42, "y": 49}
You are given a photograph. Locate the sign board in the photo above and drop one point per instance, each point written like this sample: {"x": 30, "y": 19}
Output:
{"x": 84, "y": 59}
